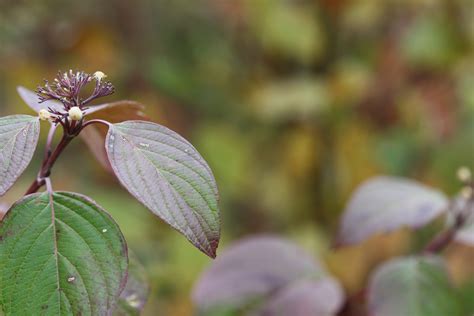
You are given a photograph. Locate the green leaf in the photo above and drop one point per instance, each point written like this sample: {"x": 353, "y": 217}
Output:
{"x": 60, "y": 254}
{"x": 135, "y": 295}
{"x": 18, "y": 139}
{"x": 415, "y": 286}
{"x": 165, "y": 172}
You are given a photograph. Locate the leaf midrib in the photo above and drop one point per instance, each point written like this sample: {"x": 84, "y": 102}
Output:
{"x": 134, "y": 147}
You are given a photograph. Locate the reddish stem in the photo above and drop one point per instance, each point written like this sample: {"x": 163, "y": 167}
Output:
{"x": 444, "y": 238}
{"x": 95, "y": 121}
{"x": 48, "y": 163}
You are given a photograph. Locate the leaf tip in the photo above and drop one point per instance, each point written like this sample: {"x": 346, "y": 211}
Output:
{"x": 211, "y": 251}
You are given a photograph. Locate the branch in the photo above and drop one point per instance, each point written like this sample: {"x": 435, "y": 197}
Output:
{"x": 444, "y": 238}
{"x": 49, "y": 161}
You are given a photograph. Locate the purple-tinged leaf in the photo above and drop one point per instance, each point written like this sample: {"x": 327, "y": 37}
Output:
{"x": 323, "y": 297}
{"x": 95, "y": 140}
{"x": 383, "y": 204}
{"x": 115, "y": 112}
{"x": 18, "y": 139}
{"x": 166, "y": 173}
{"x": 118, "y": 111}
{"x": 465, "y": 235}
{"x": 31, "y": 99}
{"x": 415, "y": 286}
{"x": 135, "y": 295}
{"x": 253, "y": 269}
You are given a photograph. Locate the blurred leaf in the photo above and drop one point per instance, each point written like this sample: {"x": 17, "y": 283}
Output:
{"x": 383, "y": 204}
{"x": 133, "y": 298}
{"x": 165, "y": 172}
{"x": 32, "y": 100}
{"x": 18, "y": 140}
{"x": 296, "y": 98}
{"x": 254, "y": 269}
{"x": 430, "y": 41}
{"x": 415, "y": 286}
{"x": 115, "y": 112}
{"x": 298, "y": 33}
{"x": 307, "y": 297}
{"x": 41, "y": 273}
{"x": 464, "y": 206}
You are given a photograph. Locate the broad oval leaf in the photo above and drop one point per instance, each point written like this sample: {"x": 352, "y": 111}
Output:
{"x": 135, "y": 294}
{"x": 384, "y": 204}
{"x": 166, "y": 173}
{"x": 254, "y": 269}
{"x": 18, "y": 139}
{"x": 115, "y": 112}
{"x": 31, "y": 99}
{"x": 415, "y": 286}
{"x": 323, "y": 297}
{"x": 60, "y": 254}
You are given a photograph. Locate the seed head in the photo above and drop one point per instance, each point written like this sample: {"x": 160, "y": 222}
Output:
{"x": 75, "y": 113}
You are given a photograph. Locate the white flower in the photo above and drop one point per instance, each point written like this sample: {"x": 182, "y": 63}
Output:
{"x": 99, "y": 75}
{"x": 75, "y": 113}
{"x": 44, "y": 115}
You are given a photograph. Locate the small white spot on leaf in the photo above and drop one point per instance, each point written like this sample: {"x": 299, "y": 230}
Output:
{"x": 71, "y": 279}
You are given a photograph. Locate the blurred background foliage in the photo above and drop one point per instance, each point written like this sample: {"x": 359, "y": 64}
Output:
{"x": 292, "y": 102}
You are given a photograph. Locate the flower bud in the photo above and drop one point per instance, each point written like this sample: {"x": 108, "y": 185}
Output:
{"x": 99, "y": 75}
{"x": 75, "y": 113}
{"x": 44, "y": 115}
{"x": 464, "y": 174}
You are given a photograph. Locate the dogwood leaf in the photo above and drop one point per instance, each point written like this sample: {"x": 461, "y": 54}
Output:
{"x": 165, "y": 172}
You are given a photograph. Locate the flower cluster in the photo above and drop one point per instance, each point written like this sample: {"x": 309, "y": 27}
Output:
{"x": 67, "y": 87}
